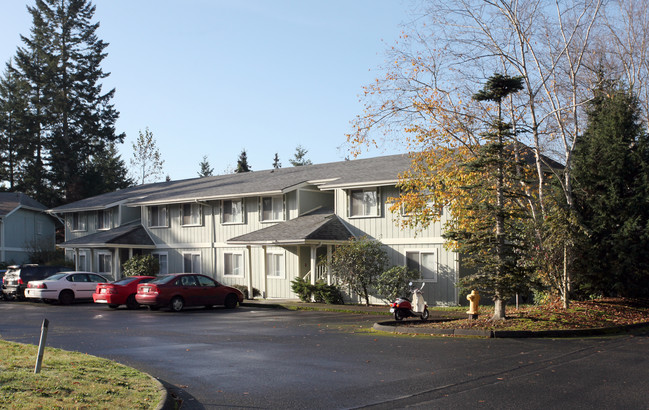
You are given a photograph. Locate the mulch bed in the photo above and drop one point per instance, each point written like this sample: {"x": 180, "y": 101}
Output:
{"x": 601, "y": 313}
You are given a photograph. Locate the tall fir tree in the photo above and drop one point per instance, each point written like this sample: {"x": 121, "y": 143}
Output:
{"x": 242, "y": 163}
{"x": 611, "y": 174}
{"x": 276, "y": 163}
{"x": 299, "y": 158}
{"x": 490, "y": 235}
{"x": 108, "y": 172}
{"x": 206, "y": 170}
{"x": 13, "y": 106}
{"x": 70, "y": 121}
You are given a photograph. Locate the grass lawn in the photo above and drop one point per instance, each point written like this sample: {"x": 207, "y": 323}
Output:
{"x": 599, "y": 313}
{"x": 70, "y": 380}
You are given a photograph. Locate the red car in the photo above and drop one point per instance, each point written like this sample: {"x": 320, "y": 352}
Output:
{"x": 121, "y": 292}
{"x": 178, "y": 290}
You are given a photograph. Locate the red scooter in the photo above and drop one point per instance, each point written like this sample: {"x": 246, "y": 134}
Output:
{"x": 402, "y": 308}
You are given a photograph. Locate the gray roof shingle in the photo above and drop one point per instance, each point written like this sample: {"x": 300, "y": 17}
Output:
{"x": 12, "y": 200}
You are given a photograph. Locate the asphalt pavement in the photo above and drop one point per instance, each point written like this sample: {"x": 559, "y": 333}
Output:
{"x": 255, "y": 357}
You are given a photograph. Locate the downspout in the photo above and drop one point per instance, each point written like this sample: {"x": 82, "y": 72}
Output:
{"x": 264, "y": 291}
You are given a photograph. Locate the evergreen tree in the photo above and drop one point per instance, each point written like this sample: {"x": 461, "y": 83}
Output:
{"x": 611, "y": 172}
{"x": 13, "y": 106}
{"x": 108, "y": 173}
{"x": 491, "y": 235}
{"x": 300, "y": 157}
{"x": 69, "y": 121}
{"x": 276, "y": 163}
{"x": 242, "y": 163}
{"x": 206, "y": 170}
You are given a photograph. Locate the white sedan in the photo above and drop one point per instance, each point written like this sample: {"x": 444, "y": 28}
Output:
{"x": 65, "y": 287}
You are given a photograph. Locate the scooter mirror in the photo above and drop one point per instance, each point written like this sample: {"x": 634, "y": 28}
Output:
{"x": 409, "y": 283}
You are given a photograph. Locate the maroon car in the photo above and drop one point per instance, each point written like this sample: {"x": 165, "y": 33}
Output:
{"x": 178, "y": 290}
{"x": 121, "y": 292}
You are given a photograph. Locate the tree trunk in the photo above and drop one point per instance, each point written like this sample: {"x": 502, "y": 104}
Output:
{"x": 499, "y": 309}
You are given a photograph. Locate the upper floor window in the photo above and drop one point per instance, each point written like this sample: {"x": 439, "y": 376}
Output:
{"x": 364, "y": 202}
{"x": 232, "y": 211}
{"x": 104, "y": 219}
{"x": 79, "y": 222}
{"x": 158, "y": 216}
{"x": 272, "y": 208}
{"x": 191, "y": 214}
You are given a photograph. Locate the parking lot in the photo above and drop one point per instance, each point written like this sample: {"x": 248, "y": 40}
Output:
{"x": 271, "y": 358}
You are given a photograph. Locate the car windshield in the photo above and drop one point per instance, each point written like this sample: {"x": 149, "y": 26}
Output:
{"x": 56, "y": 276}
{"x": 126, "y": 281}
{"x": 163, "y": 279}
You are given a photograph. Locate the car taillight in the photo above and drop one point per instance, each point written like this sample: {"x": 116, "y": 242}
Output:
{"x": 20, "y": 281}
{"x": 38, "y": 286}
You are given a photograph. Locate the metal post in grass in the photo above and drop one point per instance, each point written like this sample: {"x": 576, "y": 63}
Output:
{"x": 41, "y": 346}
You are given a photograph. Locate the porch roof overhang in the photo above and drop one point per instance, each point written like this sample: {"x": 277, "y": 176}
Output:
{"x": 322, "y": 228}
{"x": 127, "y": 236}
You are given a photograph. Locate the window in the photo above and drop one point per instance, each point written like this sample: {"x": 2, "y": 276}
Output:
{"x": 275, "y": 265}
{"x": 191, "y": 262}
{"x": 272, "y": 208}
{"x": 103, "y": 219}
{"x": 232, "y": 211}
{"x": 79, "y": 222}
{"x": 158, "y": 216}
{"x": 425, "y": 262}
{"x": 40, "y": 229}
{"x": 82, "y": 262}
{"x": 163, "y": 266}
{"x": 364, "y": 202}
{"x": 233, "y": 264}
{"x": 191, "y": 214}
{"x": 104, "y": 263}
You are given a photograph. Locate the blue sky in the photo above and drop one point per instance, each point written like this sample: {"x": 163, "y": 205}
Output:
{"x": 211, "y": 77}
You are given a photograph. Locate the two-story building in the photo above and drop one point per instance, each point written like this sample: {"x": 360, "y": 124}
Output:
{"x": 25, "y": 227}
{"x": 258, "y": 229}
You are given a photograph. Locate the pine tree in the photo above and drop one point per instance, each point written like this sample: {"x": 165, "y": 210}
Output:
{"x": 13, "y": 106}
{"x": 108, "y": 173}
{"x": 611, "y": 173}
{"x": 300, "y": 157}
{"x": 276, "y": 163}
{"x": 490, "y": 235}
{"x": 69, "y": 121}
{"x": 206, "y": 170}
{"x": 242, "y": 163}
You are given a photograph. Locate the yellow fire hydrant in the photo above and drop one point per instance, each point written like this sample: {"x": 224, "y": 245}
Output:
{"x": 474, "y": 299}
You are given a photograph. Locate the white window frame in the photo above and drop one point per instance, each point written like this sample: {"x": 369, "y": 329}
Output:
{"x": 104, "y": 257}
{"x": 195, "y": 214}
{"x": 156, "y": 223}
{"x": 163, "y": 268}
{"x": 276, "y": 208}
{"x": 365, "y": 212}
{"x": 227, "y": 219}
{"x": 104, "y": 219}
{"x": 79, "y": 222}
{"x": 194, "y": 259}
{"x": 420, "y": 253}
{"x": 271, "y": 273}
{"x": 231, "y": 255}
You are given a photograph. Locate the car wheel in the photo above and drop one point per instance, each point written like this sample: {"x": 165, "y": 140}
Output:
{"x": 131, "y": 303}
{"x": 113, "y": 306}
{"x": 177, "y": 304}
{"x": 231, "y": 301}
{"x": 66, "y": 297}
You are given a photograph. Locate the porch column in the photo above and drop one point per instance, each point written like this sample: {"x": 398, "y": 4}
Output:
{"x": 328, "y": 264}
{"x": 92, "y": 260}
{"x": 116, "y": 264}
{"x": 248, "y": 267}
{"x": 313, "y": 263}
{"x": 264, "y": 291}
{"x": 76, "y": 259}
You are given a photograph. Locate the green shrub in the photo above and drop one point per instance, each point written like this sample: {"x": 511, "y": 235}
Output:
{"x": 394, "y": 282}
{"x": 244, "y": 290}
{"x": 321, "y": 292}
{"x": 141, "y": 265}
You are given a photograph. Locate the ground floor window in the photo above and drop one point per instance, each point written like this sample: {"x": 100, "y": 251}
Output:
{"x": 104, "y": 263}
{"x": 275, "y": 265}
{"x": 423, "y": 261}
{"x": 191, "y": 262}
{"x": 233, "y": 264}
{"x": 163, "y": 264}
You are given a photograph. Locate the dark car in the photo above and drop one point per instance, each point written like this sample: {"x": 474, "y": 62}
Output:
{"x": 121, "y": 292}
{"x": 178, "y": 290}
{"x": 17, "y": 276}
